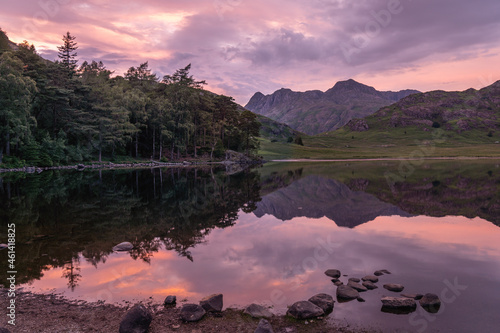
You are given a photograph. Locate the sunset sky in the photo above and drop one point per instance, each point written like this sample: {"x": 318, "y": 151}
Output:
{"x": 241, "y": 46}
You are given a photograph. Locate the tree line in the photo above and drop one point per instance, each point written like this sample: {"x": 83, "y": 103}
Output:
{"x": 55, "y": 113}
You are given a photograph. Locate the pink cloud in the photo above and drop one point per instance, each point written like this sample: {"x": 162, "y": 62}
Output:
{"x": 240, "y": 47}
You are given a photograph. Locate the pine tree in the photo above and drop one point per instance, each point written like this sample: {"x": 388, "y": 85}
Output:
{"x": 67, "y": 53}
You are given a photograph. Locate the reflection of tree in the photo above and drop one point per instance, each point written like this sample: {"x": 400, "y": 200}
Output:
{"x": 61, "y": 216}
{"x": 71, "y": 271}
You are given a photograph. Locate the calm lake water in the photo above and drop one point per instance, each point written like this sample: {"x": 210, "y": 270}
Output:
{"x": 267, "y": 236}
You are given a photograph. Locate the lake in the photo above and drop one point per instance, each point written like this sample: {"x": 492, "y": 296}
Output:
{"x": 267, "y": 236}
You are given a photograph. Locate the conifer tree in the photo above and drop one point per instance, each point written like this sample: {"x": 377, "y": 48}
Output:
{"x": 67, "y": 52}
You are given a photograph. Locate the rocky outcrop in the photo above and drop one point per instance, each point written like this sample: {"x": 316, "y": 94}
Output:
{"x": 358, "y": 125}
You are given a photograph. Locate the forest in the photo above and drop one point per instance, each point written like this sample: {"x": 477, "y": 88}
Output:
{"x": 58, "y": 113}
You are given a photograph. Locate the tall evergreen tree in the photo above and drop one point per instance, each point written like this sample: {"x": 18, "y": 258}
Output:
{"x": 67, "y": 53}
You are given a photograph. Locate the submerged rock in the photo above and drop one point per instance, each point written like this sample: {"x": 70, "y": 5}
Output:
{"x": 170, "y": 300}
{"x": 369, "y": 285}
{"x": 338, "y": 283}
{"x": 414, "y": 296}
{"x": 381, "y": 272}
{"x": 212, "y": 303}
{"x": 136, "y": 320}
{"x": 257, "y": 311}
{"x": 394, "y": 287}
{"x": 370, "y": 278}
{"x": 334, "y": 273}
{"x": 264, "y": 327}
{"x": 125, "y": 246}
{"x": 324, "y": 301}
{"x": 356, "y": 286}
{"x": 398, "y": 305}
{"x": 192, "y": 312}
{"x": 361, "y": 299}
{"x": 354, "y": 280}
{"x": 346, "y": 293}
{"x": 305, "y": 310}
{"x": 430, "y": 302}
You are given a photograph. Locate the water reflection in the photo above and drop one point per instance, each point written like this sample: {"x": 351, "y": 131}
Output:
{"x": 63, "y": 219}
{"x": 266, "y": 236}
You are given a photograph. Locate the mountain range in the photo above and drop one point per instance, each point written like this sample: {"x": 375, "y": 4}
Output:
{"x": 313, "y": 112}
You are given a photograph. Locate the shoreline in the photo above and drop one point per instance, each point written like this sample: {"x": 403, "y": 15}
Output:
{"x": 53, "y": 313}
{"x": 375, "y": 159}
{"x": 127, "y": 166}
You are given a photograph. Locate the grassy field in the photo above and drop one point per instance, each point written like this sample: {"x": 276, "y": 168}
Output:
{"x": 398, "y": 143}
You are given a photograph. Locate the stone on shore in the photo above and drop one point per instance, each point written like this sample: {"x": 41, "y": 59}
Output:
{"x": 212, "y": 303}
{"x": 324, "y": 301}
{"x": 136, "y": 320}
{"x": 431, "y": 303}
{"x": 369, "y": 285}
{"x": 257, "y": 311}
{"x": 370, "y": 278}
{"x": 354, "y": 280}
{"x": 192, "y": 312}
{"x": 356, "y": 286}
{"x": 398, "y": 305}
{"x": 346, "y": 293}
{"x": 394, "y": 287}
{"x": 333, "y": 273}
{"x": 125, "y": 246}
{"x": 305, "y": 310}
{"x": 264, "y": 327}
{"x": 170, "y": 300}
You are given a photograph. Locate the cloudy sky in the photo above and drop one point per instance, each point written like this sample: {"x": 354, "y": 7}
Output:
{"x": 242, "y": 46}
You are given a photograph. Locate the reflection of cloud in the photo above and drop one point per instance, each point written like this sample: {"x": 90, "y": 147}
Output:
{"x": 261, "y": 256}
{"x": 279, "y": 43}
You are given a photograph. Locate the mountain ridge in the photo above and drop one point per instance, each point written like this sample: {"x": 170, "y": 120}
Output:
{"x": 314, "y": 111}
{"x": 457, "y": 111}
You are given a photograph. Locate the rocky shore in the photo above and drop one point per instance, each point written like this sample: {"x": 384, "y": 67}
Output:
{"x": 55, "y": 314}
{"x": 234, "y": 161}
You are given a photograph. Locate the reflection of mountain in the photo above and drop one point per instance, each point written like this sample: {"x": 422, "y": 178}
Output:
{"x": 315, "y": 197}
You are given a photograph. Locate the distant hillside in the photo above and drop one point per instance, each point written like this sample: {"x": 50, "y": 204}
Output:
{"x": 315, "y": 112}
{"x": 458, "y": 112}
